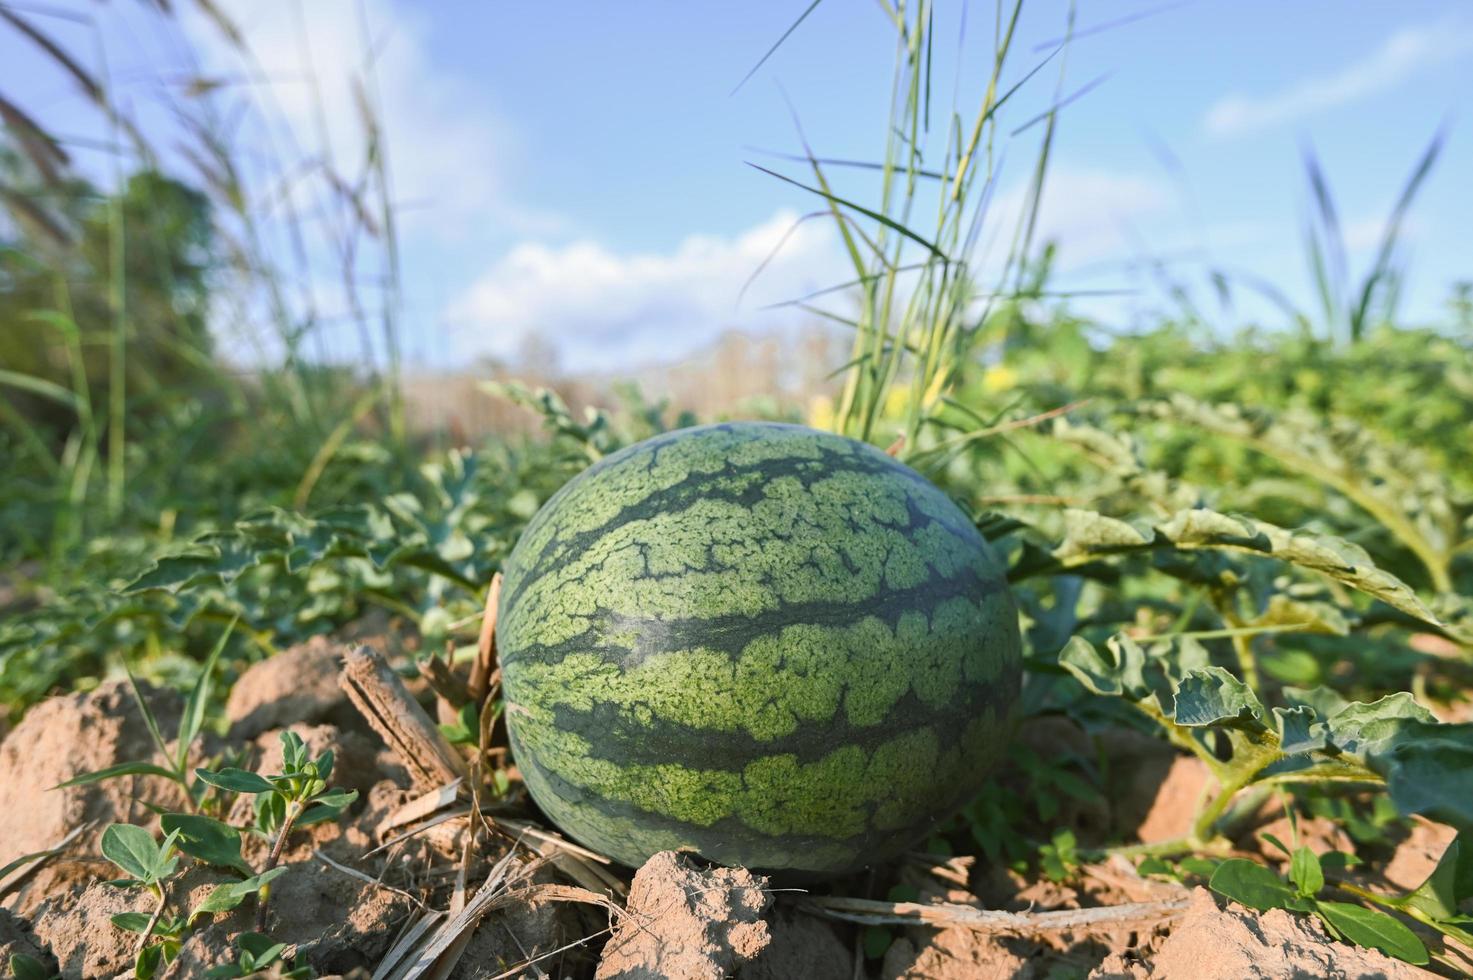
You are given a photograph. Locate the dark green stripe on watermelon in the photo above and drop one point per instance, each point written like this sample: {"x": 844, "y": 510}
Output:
{"x": 779, "y": 647}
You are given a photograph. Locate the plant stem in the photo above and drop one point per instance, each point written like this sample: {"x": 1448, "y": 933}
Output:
{"x": 1180, "y": 737}
{"x": 1170, "y": 848}
{"x": 157, "y": 912}
{"x": 1247, "y": 660}
{"x": 117, "y": 396}
{"x": 1249, "y": 759}
{"x": 293, "y": 810}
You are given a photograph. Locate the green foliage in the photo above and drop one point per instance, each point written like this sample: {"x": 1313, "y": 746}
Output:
{"x": 135, "y": 851}
{"x": 149, "y": 864}
{"x": 1030, "y": 790}
{"x": 1317, "y": 737}
{"x": 191, "y": 723}
{"x": 297, "y": 796}
{"x": 58, "y": 289}
{"x": 23, "y": 967}
{"x": 1255, "y": 886}
{"x": 1349, "y": 310}
{"x": 419, "y": 542}
{"x": 914, "y": 285}
{"x": 1059, "y": 858}
{"x": 254, "y": 954}
{"x": 466, "y": 729}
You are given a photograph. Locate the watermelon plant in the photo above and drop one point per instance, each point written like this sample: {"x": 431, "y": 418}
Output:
{"x": 778, "y": 647}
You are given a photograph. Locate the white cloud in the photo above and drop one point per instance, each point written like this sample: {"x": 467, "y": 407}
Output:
{"x": 605, "y": 310}
{"x": 1402, "y": 54}
{"x": 1087, "y": 211}
{"x": 447, "y": 163}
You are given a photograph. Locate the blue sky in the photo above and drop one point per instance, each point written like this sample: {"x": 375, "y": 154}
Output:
{"x": 577, "y": 171}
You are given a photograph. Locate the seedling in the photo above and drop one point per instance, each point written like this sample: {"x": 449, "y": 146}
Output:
{"x": 296, "y": 797}
{"x": 466, "y": 729}
{"x": 1060, "y": 857}
{"x": 256, "y": 954}
{"x": 1250, "y": 883}
{"x": 150, "y": 864}
{"x": 191, "y": 723}
{"x": 23, "y": 967}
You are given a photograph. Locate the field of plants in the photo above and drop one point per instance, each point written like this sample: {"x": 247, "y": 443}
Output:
{"x": 252, "y": 624}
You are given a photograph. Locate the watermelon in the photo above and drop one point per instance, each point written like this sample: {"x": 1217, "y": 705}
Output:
{"x": 776, "y": 647}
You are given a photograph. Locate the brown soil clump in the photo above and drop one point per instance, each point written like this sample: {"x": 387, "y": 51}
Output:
{"x": 66, "y": 737}
{"x": 1153, "y": 790}
{"x": 76, "y": 929}
{"x": 1418, "y": 854}
{"x": 685, "y": 921}
{"x": 1210, "y": 943}
{"x": 530, "y": 932}
{"x": 299, "y": 685}
{"x": 958, "y": 954}
{"x": 801, "y": 946}
{"x": 337, "y": 922}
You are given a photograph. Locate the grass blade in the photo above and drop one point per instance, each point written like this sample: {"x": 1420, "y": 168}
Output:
{"x": 193, "y": 717}
{"x": 1383, "y": 271}
{"x": 885, "y": 220}
{"x": 779, "y": 43}
{"x": 148, "y": 719}
{"x": 117, "y": 771}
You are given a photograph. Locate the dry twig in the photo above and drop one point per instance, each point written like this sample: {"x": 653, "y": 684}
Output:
{"x": 485, "y": 665}
{"x": 381, "y": 698}
{"x": 1106, "y": 919}
{"x": 370, "y": 879}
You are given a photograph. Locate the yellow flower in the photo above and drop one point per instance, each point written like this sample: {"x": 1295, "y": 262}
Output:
{"x": 999, "y": 377}
{"x": 821, "y": 412}
{"x": 895, "y": 401}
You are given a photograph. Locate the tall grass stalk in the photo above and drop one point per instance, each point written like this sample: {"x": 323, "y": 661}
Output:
{"x": 228, "y": 133}
{"x": 1350, "y": 309}
{"x": 918, "y": 316}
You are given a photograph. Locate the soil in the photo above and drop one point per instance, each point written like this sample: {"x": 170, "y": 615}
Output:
{"x": 17, "y": 939}
{"x": 683, "y": 920}
{"x": 299, "y": 684}
{"x": 358, "y": 890}
{"x": 65, "y": 737}
{"x": 1232, "y": 943}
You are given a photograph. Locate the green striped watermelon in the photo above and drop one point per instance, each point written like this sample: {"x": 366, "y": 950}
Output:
{"x": 777, "y": 647}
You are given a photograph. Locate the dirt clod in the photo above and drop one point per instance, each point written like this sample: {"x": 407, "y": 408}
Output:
{"x": 527, "y": 933}
{"x": 956, "y": 954}
{"x": 338, "y": 923}
{"x": 1417, "y": 856}
{"x": 1210, "y": 943}
{"x": 299, "y": 685}
{"x": 77, "y": 929}
{"x": 69, "y": 736}
{"x": 686, "y": 921}
{"x": 801, "y": 946}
